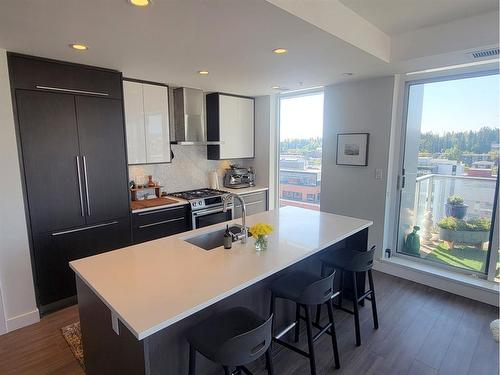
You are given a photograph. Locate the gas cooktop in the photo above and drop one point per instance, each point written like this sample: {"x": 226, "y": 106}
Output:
{"x": 198, "y": 194}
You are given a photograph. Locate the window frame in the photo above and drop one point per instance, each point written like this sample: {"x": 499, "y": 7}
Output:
{"x": 441, "y": 76}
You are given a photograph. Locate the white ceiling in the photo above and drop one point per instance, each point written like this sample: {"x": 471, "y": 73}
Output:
{"x": 171, "y": 40}
{"x": 400, "y": 16}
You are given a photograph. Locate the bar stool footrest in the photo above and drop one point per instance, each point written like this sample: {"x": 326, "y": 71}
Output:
{"x": 291, "y": 347}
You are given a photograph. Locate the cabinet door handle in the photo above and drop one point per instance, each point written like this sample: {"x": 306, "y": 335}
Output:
{"x": 84, "y": 228}
{"x": 86, "y": 180}
{"x": 80, "y": 185}
{"x": 161, "y": 222}
{"x": 71, "y": 90}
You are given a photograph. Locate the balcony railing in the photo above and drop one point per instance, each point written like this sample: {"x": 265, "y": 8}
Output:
{"x": 432, "y": 191}
{"x": 425, "y": 207}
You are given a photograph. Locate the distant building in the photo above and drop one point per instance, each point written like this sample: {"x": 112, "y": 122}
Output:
{"x": 430, "y": 165}
{"x": 292, "y": 162}
{"x": 470, "y": 158}
{"x": 481, "y": 169}
{"x": 301, "y": 188}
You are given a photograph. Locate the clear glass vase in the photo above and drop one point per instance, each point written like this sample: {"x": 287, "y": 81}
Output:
{"x": 261, "y": 243}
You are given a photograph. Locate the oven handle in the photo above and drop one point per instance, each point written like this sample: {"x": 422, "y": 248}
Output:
{"x": 196, "y": 214}
{"x": 210, "y": 211}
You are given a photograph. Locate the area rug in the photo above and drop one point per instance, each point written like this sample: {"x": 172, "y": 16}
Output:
{"x": 73, "y": 337}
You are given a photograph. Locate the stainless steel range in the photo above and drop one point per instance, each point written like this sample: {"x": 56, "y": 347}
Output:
{"x": 206, "y": 206}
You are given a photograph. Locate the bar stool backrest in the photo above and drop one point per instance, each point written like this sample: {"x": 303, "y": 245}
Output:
{"x": 361, "y": 261}
{"x": 318, "y": 292}
{"x": 246, "y": 347}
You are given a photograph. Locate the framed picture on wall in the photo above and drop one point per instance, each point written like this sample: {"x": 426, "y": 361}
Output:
{"x": 352, "y": 149}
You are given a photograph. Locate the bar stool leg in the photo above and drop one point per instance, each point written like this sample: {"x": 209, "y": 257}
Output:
{"x": 329, "y": 306}
{"x": 341, "y": 288}
{"x": 272, "y": 308}
{"x": 318, "y": 309}
{"x": 356, "y": 308}
{"x": 310, "y": 342}
{"x": 192, "y": 360}
{"x": 269, "y": 361}
{"x": 297, "y": 323}
{"x": 226, "y": 370}
{"x": 374, "y": 303}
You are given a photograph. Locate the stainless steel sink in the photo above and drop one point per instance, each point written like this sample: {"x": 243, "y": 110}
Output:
{"x": 212, "y": 240}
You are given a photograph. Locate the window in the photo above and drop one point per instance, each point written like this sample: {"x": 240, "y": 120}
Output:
{"x": 450, "y": 166}
{"x": 301, "y": 132}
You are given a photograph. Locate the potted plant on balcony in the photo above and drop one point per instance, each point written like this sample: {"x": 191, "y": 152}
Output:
{"x": 473, "y": 231}
{"x": 455, "y": 207}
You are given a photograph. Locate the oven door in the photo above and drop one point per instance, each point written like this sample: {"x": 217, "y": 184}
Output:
{"x": 210, "y": 216}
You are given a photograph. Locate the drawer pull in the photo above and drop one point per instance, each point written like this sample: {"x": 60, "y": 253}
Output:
{"x": 71, "y": 90}
{"x": 252, "y": 194}
{"x": 158, "y": 211}
{"x": 85, "y": 228}
{"x": 161, "y": 222}
{"x": 250, "y": 204}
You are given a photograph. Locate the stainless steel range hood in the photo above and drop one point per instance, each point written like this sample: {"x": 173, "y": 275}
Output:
{"x": 189, "y": 118}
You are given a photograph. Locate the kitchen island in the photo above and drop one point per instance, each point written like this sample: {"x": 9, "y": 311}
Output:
{"x": 136, "y": 303}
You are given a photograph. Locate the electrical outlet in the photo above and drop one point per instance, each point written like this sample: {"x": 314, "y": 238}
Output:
{"x": 378, "y": 174}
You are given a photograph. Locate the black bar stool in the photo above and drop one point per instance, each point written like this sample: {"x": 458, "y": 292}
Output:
{"x": 306, "y": 290}
{"x": 352, "y": 262}
{"x": 232, "y": 338}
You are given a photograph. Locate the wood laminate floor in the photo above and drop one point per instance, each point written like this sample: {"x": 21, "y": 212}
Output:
{"x": 423, "y": 331}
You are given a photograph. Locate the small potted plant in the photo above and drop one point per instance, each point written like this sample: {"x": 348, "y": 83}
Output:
{"x": 259, "y": 232}
{"x": 455, "y": 207}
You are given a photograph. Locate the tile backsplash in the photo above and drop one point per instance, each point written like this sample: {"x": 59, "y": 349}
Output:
{"x": 189, "y": 169}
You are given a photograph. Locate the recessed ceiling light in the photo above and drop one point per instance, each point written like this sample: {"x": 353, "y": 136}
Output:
{"x": 347, "y": 74}
{"x": 280, "y": 51}
{"x": 79, "y": 47}
{"x": 203, "y": 72}
{"x": 140, "y": 3}
{"x": 275, "y": 87}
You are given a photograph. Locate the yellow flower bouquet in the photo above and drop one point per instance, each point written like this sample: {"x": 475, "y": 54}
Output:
{"x": 260, "y": 231}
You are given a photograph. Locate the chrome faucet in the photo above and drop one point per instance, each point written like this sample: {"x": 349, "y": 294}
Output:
{"x": 244, "y": 231}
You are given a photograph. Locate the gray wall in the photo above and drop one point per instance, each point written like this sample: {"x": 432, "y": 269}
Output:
{"x": 265, "y": 161}
{"x": 17, "y": 294}
{"x": 364, "y": 107}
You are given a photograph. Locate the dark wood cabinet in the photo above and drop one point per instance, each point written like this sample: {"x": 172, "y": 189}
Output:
{"x": 72, "y": 141}
{"x": 104, "y": 163}
{"x": 42, "y": 74}
{"x": 49, "y": 134}
{"x": 150, "y": 225}
{"x": 54, "y": 250}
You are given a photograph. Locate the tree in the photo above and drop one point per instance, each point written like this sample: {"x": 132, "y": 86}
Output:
{"x": 452, "y": 153}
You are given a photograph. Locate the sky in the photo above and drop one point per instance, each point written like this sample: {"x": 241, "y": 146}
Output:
{"x": 458, "y": 105}
{"x": 301, "y": 117}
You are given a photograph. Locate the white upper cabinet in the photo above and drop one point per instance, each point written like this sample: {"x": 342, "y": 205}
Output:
{"x": 147, "y": 123}
{"x": 134, "y": 122}
{"x": 230, "y": 120}
{"x": 156, "y": 123}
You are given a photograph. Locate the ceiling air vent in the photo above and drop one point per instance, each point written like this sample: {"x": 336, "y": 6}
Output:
{"x": 485, "y": 53}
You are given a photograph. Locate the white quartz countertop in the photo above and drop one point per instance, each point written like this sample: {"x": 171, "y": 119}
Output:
{"x": 155, "y": 284}
{"x": 252, "y": 189}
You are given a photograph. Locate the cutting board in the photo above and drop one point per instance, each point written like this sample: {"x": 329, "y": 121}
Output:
{"x": 148, "y": 203}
